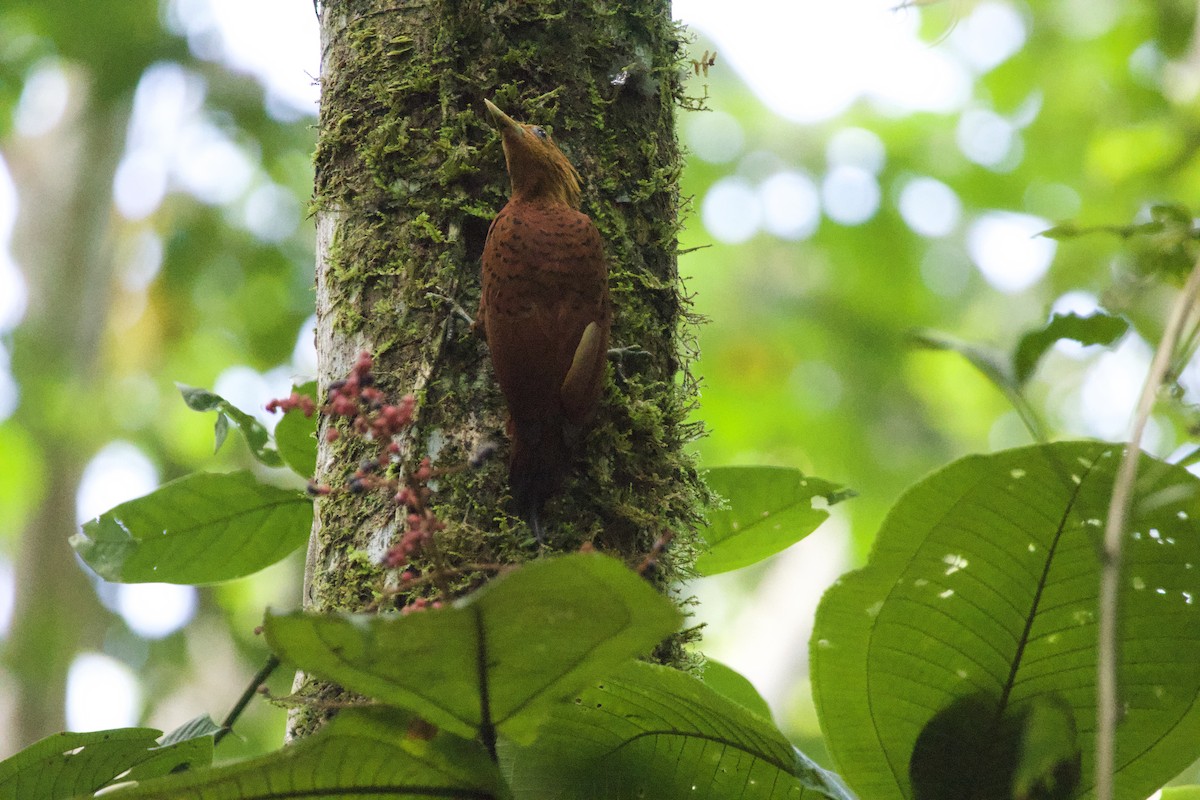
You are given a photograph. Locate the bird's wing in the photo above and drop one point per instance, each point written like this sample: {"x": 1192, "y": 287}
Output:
{"x": 545, "y": 283}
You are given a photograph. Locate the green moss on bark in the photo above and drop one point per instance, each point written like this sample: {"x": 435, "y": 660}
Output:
{"x": 410, "y": 174}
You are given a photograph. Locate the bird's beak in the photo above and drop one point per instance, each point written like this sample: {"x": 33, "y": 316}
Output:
{"x": 504, "y": 123}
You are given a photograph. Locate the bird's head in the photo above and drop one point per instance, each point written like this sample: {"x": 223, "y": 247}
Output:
{"x": 538, "y": 169}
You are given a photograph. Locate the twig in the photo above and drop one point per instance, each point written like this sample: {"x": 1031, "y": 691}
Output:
{"x": 1118, "y": 512}
{"x": 259, "y": 678}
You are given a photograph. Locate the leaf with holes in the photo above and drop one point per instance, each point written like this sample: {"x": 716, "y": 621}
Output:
{"x": 71, "y": 764}
{"x": 648, "y": 731}
{"x": 497, "y": 659}
{"x": 978, "y": 608}
{"x": 202, "y": 528}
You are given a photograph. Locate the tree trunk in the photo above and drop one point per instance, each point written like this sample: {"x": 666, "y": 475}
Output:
{"x": 62, "y": 243}
{"x": 409, "y": 174}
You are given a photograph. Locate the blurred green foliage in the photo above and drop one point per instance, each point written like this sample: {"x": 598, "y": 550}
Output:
{"x": 806, "y": 362}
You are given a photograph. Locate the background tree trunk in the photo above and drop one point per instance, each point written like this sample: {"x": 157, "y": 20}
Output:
{"x": 63, "y": 241}
{"x": 409, "y": 174}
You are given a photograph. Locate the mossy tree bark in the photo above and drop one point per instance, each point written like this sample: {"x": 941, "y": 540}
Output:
{"x": 409, "y": 174}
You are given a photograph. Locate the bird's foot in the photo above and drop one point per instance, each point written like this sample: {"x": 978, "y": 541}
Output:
{"x": 533, "y": 519}
{"x": 455, "y": 308}
{"x": 619, "y": 354}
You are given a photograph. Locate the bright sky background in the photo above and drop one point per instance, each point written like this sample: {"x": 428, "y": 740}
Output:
{"x": 860, "y": 49}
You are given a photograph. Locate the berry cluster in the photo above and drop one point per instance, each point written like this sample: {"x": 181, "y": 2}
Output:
{"x": 294, "y": 402}
{"x": 358, "y": 399}
{"x": 368, "y": 415}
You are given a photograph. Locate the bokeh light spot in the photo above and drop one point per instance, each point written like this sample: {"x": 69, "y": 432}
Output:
{"x": 985, "y": 137}
{"x": 10, "y": 394}
{"x": 1110, "y": 390}
{"x": 856, "y": 147}
{"x": 304, "y": 354}
{"x": 1052, "y": 200}
{"x": 272, "y": 213}
{"x": 929, "y": 207}
{"x": 731, "y": 211}
{"x": 850, "y": 195}
{"x": 119, "y": 472}
{"x": 43, "y": 99}
{"x": 141, "y": 258}
{"x": 8, "y": 595}
{"x": 1086, "y": 19}
{"x": 210, "y": 166}
{"x": 1008, "y": 250}
{"x": 859, "y": 48}
{"x": 101, "y": 693}
{"x": 791, "y": 205}
{"x": 989, "y": 36}
{"x": 13, "y": 294}
{"x": 155, "y": 610}
{"x": 140, "y": 184}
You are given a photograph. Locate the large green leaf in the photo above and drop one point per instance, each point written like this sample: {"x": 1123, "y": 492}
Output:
{"x": 256, "y": 435}
{"x": 295, "y": 435}
{"x": 649, "y": 731}
{"x": 768, "y": 509}
{"x": 202, "y": 528}
{"x": 982, "y": 590}
{"x": 361, "y": 753}
{"x": 1181, "y": 793}
{"x": 496, "y": 659}
{"x": 71, "y": 764}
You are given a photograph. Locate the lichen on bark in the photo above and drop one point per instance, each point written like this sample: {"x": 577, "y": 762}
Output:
{"x": 408, "y": 176}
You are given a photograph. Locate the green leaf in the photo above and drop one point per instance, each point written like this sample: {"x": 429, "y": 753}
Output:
{"x": 983, "y": 583}
{"x": 359, "y": 753}
{"x": 220, "y": 431}
{"x": 70, "y": 764}
{"x": 769, "y": 509}
{"x": 180, "y": 756}
{"x": 202, "y": 528}
{"x": 528, "y": 638}
{"x": 1098, "y": 328}
{"x": 647, "y": 731}
{"x": 1048, "y": 757}
{"x": 194, "y": 728}
{"x": 731, "y": 684}
{"x": 295, "y": 436}
{"x": 257, "y": 437}
{"x": 1181, "y": 793}
{"x": 1030, "y": 751}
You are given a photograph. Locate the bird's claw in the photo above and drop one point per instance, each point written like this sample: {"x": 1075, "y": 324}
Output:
{"x": 619, "y": 354}
{"x": 455, "y": 308}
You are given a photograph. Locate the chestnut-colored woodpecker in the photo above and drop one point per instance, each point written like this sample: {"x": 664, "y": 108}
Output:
{"x": 545, "y": 312}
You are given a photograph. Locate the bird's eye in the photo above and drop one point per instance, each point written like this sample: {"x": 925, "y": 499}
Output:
{"x": 538, "y": 132}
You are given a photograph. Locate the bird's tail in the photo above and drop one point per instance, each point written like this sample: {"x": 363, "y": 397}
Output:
{"x": 536, "y": 468}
